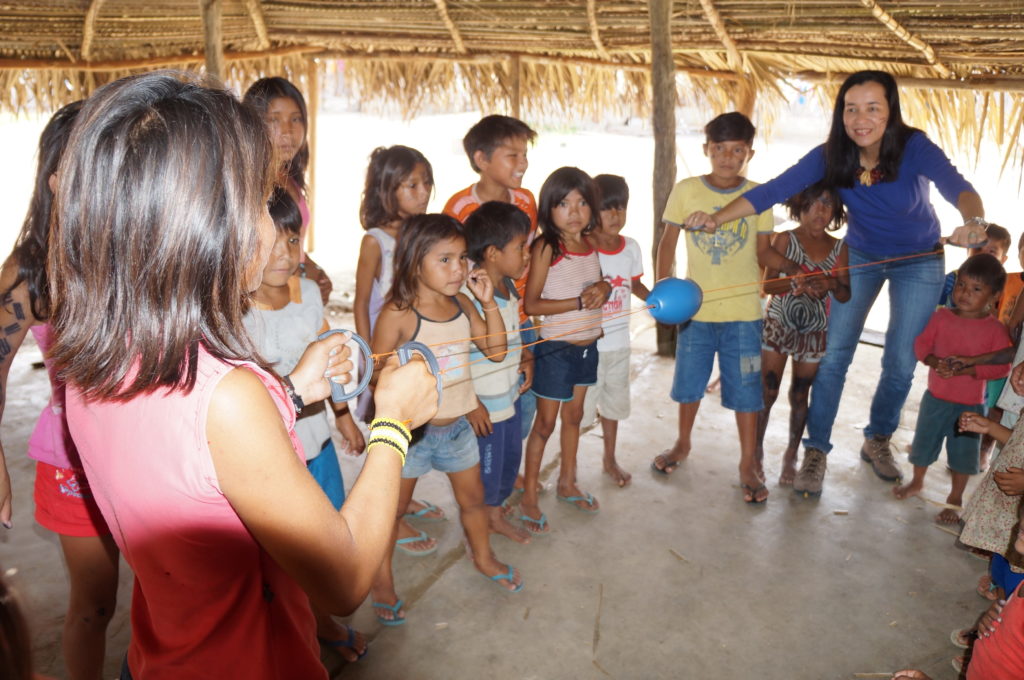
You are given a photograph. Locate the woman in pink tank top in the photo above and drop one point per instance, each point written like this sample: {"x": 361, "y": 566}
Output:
{"x": 186, "y": 440}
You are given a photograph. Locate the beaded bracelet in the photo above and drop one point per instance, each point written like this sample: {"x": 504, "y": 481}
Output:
{"x": 396, "y": 425}
{"x": 391, "y": 433}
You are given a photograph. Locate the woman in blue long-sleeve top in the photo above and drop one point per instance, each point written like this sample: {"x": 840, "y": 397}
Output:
{"x": 882, "y": 168}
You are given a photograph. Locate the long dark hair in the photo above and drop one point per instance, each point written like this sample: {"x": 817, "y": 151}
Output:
{"x": 557, "y": 186}
{"x": 154, "y": 243}
{"x": 419, "y": 234}
{"x": 800, "y": 202}
{"x": 842, "y": 155}
{"x": 259, "y": 96}
{"x": 29, "y": 252}
{"x": 388, "y": 168}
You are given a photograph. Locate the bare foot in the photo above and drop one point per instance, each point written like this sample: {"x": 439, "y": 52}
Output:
{"x": 947, "y": 516}
{"x": 905, "y": 491}
{"x": 788, "y": 473}
{"x": 621, "y": 477}
{"x": 492, "y": 568}
{"x": 499, "y": 524}
{"x": 406, "y": 530}
{"x": 346, "y": 641}
{"x": 668, "y": 460}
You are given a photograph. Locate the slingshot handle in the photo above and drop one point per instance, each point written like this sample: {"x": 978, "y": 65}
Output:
{"x": 405, "y": 353}
{"x": 338, "y": 391}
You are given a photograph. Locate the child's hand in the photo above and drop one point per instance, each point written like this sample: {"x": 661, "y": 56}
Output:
{"x": 816, "y": 286}
{"x": 479, "y": 283}
{"x": 700, "y": 221}
{"x": 595, "y": 295}
{"x": 991, "y": 619}
{"x": 975, "y": 422}
{"x": 355, "y": 443}
{"x": 944, "y": 368}
{"x": 480, "y": 420}
{"x": 1010, "y": 481}
{"x": 526, "y": 369}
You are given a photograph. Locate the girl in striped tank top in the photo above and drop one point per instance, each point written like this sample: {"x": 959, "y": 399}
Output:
{"x": 425, "y": 305}
{"x": 566, "y": 289}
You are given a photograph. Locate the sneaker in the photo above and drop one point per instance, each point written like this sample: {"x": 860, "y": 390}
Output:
{"x": 876, "y": 450}
{"x": 809, "y": 479}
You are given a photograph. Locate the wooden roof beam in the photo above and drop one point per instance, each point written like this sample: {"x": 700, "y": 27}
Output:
{"x": 259, "y": 22}
{"x": 442, "y": 9}
{"x": 906, "y": 36}
{"x": 595, "y": 32}
{"x": 213, "y": 37}
{"x": 89, "y": 28}
{"x": 732, "y": 52}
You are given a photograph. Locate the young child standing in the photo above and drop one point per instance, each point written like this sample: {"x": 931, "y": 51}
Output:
{"x": 425, "y": 305}
{"x": 287, "y": 315}
{"x": 622, "y": 267}
{"x": 566, "y": 288}
{"x": 497, "y": 150}
{"x": 968, "y": 329}
{"x": 496, "y": 236}
{"x": 997, "y": 244}
{"x": 796, "y": 320}
{"x": 729, "y": 322}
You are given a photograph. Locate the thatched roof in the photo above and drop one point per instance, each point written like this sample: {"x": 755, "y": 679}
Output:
{"x": 961, "y": 63}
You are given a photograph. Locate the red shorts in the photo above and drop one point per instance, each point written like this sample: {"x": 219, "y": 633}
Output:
{"x": 64, "y": 502}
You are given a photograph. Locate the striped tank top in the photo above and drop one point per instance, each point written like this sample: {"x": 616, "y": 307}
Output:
{"x": 449, "y": 341}
{"x": 569, "y": 274}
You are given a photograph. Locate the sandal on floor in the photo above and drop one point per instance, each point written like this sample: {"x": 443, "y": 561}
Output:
{"x": 348, "y": 643}
{"x": 393, "y": 608}
{"x": 541, "y": 524}
{"x": 589, "y": 506}
{"x": 753, "y": 491}
{"x": 428, "y": 508}
{"x": 507, "y": 576}
{"x": 962, "y": 637}
{"x": 422, "y": 536}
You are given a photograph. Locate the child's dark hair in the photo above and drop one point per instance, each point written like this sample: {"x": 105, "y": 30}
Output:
{"x": 488, "y": 134}
{"x": 419, "y": 234}
{"x": 994, "y": 232}
{"x": 259, "y": 96}
{"x": 31, "y": 247}
{"x": 613, "y": 190}
{"x": 730, "y": 127}
{"x": 285, "y": 212}
{"x": 165, "y": 179}
{"x": 557, "y": 186}
{"x": 798, "y": 203}
{"x": 842, "y": 155}
{"x": 985, "y": 268}
{"x": 15, "y": 642}
{"x": 388, "y": 168}
{"x": 493, "y": 224}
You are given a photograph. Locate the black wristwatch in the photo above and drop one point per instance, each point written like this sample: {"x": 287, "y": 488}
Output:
{"x": 297, "y": 402}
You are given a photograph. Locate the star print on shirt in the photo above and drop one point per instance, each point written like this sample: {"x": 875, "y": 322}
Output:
{"x": 617, "y": 281}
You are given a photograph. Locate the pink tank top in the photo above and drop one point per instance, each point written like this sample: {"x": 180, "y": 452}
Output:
{"x": 208, "y": 601}
{"x": 51, "y": 442}
{"x": 569, "y": 274}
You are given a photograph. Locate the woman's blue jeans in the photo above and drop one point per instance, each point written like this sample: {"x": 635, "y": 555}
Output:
{"x": 914, "y": 289}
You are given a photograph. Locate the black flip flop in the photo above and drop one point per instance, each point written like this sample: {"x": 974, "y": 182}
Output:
{"x": 753, "y": 494}
{"x": 667, "y": 470}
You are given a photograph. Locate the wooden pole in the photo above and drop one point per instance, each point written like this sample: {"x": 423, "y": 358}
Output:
{"x": 312, "y": 108}
{"x": 213, "y": 38}
{"x": 517, "y": 95}
{"x": 663, "y": 119}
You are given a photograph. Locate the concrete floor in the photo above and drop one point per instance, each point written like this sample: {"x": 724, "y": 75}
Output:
{"x": 675, "y": 578}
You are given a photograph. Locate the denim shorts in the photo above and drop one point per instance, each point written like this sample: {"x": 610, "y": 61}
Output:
{"x": 560, "y": 366}
{"x": 938, "y": 420}
{"x": 451, "y": 448}
{"x": 738, "y": 345}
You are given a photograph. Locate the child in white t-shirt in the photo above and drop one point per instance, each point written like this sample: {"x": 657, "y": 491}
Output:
{"x": 622, "y": 267}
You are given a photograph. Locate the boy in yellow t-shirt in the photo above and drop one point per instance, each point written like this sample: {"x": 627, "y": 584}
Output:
{"x": 729, "y": 321}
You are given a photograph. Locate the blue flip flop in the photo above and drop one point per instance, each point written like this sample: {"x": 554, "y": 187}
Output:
{"x": 344, "y": 644}
{"x": 507, "y": 576}
{"x": 588, "y": 499}
{"x": 422, "y": 536}
{"x": 530, "y": 522}
{"x": 421, "y": 515}
{"x": 393, "y": 608}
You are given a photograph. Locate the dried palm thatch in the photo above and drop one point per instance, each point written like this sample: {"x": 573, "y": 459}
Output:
{"x": 961, "y": 64}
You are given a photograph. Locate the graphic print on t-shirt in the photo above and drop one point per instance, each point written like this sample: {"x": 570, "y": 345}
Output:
{"x": 726, "y": 240}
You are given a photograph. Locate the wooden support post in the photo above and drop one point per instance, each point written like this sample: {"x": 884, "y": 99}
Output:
{"x": 663, "y": 119}
{"x": 312, "y": 109}
{"x": 213, "y": 37}
{"x": 517, "y": 93}
{"x": 89, "y": 28}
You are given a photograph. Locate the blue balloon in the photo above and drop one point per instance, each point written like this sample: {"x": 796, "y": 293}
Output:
{"x": 675, "y": 301}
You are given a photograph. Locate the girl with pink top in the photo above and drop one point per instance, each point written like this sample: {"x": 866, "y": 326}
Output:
{"x": 566, "y": 288}
{"x": 63, "y": 499}
{"x": 186, "y": 438}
